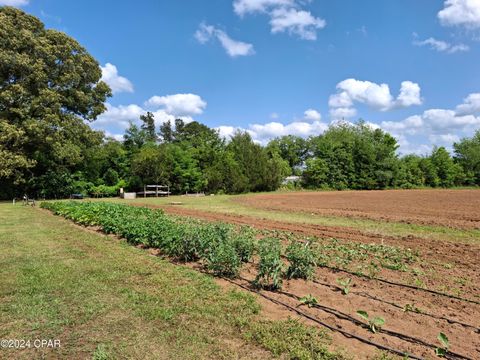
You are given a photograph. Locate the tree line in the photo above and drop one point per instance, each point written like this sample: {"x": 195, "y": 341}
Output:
{"x": 50, "y": 89}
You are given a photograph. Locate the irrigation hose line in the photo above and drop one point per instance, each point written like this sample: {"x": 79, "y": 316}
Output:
{"x": 330, "y": 327}
{"x": 344, "y": 316}
{"x": 401, "y": 285}
{"x": 391, "y": 282}
{"x": 366, "y": 295}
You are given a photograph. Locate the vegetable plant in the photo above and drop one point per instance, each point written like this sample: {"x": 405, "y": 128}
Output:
{"x": 442, "y": 351}
{"x": 345, "y": 284}
{"x": 374, "y": 324}
{"x": 309, "y": 300}
{"x": 412, "y": 308}
{"x": 270, "y": 266}
{"x": 301, "y": 259}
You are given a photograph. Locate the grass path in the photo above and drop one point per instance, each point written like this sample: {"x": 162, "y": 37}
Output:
{"x": 104, "y": 299}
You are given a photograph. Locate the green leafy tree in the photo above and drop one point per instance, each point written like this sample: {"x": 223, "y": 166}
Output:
{"x": 467, "y": 154}
{"x": 166, "y": 132}
{"x": 153, "y": 164}
{"x": 291, "y": 148}
{"x": 134, "y": 138}
{"x": 49, "y": 87}
{"x": 446, "y": 170}
{"x": 148, "y": 126}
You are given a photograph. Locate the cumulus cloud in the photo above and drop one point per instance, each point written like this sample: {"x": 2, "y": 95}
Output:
{"x": 464, "y": 13}
{"x": 471, "y": 105}
{"x": 341, "y": 113}
{"x": 164, "y": 108}
{"x": 285, "y": 16}
{"x": 233, "y": 47}
{"x": 376, "y": 96}
{"x": 119, "y": 116}
{"x": 442, "y": 46}
{"x": 116, "y": 82}
{"x": 14, "y": 2}
{"x": 296, "y": 22}
{"x": 440, "y": 126}
{"x": 447, "y": 139}
{"x": 179, "y": 104}
{"x": 263, "y": 133}
{"x": 242, "y": 7}
{"x": 312, "y": 115}
{"x": 433, "y": 121}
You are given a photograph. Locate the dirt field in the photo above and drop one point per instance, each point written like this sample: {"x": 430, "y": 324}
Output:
{"x": 437, "y": 292}
{"x": 451, "y": 208}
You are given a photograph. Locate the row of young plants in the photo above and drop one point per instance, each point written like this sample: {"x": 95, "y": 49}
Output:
{"x": 222, "y": 248}
{"x": 365, "y": 259}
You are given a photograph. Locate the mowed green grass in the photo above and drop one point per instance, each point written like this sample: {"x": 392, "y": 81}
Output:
{"x": 227, "y": 204}
{"x": 104, "y": 299}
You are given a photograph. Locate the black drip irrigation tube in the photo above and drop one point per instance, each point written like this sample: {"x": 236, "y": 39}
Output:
{"x": 401, "y": 285}
{"x": 366, "y": 295}
{"x": 344, "y": 316}
{"x": 330, "y": 327}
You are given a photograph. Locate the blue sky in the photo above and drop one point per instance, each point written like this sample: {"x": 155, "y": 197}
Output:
{"x": 274, "y": 67}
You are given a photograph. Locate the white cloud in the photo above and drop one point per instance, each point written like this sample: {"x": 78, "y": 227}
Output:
{"x": 440, "y": 126}
{"x": 118, "y": 137}
{"x": 296, "y": 22}
{"x": 409, "y": 95}
{"x": 461, "y": 13}
{"x": 274, "y": 116}
{"x": 226, "y": 131}
{"x": 164, "y": 108}
{"x": 471, "y": 105}
{"x": 116, "y": 82}
{"x": 233, "y": 48}
{"x": 263, "y": 133}
{"x": 410, "y": 125}
{"x": 119, "y": 116}
{"x": 285, "y": 16}
{"x": 179, "y": 104}
{"x": 342, "y": 113}
{"x": 376, "y": 96}
{"x": 441, "y": 119}
{"x": 312, "y": 115}
{"x": 444, "y": 139}
{"x": 432, "y": 122}
{"x": 242, "y": 7}
{"x": 14, "y": 2}
{"x": 442, "y": 46}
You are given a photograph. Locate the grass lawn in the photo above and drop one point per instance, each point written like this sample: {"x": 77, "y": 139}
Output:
{"x": 104, "y": 299}
{"x": 227, "y": 204}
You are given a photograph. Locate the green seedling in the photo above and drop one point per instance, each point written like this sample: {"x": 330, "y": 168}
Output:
{"x": 374, "y": 324}
{"x": 442, "y": 351}
{"x": 309, "y": 300}
{"x": 412, "y": 308}
{"x": 345, "y": 284}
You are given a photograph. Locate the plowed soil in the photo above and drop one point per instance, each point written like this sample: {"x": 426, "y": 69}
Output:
{"x": 445, "y": 267}
{"x": 451, "y": 208}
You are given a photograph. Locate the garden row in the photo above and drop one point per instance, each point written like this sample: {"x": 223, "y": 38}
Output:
{"x": 222, "y": 248}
